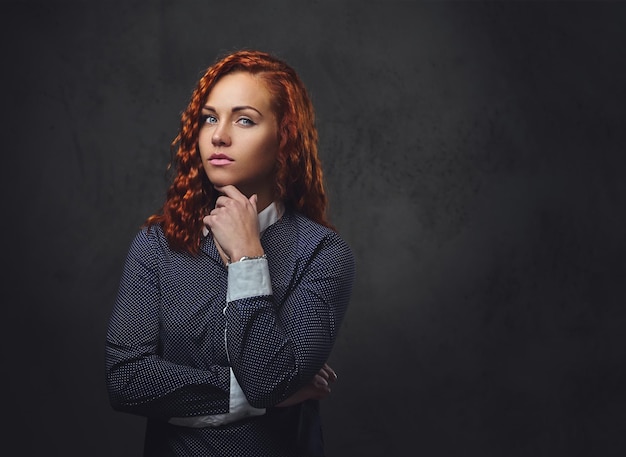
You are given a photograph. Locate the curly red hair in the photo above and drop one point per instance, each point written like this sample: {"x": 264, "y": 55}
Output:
{"x": 298, "y": 172}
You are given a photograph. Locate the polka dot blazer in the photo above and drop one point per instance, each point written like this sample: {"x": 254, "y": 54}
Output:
{"x": 172, "y": 341}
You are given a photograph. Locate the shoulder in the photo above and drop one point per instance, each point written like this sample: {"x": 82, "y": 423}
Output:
{"x": 307, "y": 229}
{"x": 149, "y": 241}
{"x": 309, "y": 226}
{"x": 311, "y": 235}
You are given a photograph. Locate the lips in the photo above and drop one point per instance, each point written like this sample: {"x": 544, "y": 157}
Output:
{"x": 220, "y": 159}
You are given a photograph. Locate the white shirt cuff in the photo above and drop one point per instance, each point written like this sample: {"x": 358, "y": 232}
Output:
{"x": 239, "y": 408}
{"x": 248, "y": 278}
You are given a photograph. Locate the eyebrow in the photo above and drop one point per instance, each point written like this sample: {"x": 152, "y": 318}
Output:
{"x": 235, "y": 109}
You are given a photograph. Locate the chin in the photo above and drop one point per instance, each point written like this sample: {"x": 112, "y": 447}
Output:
{"x": 219, "y": 180}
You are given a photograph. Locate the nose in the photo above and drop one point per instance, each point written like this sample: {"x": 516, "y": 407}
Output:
{"x": 221, "y": 136}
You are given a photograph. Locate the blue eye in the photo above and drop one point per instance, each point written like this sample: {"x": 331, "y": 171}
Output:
{"x": 246, "y": 122}
{"x": 208, "y": 119}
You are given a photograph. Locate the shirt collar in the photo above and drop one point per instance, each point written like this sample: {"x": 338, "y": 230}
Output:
{"x": 270, "y": 215}
{"x": 266, "y": 217}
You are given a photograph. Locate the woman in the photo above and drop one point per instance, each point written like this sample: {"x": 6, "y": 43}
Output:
{"x": 232, "y": 295}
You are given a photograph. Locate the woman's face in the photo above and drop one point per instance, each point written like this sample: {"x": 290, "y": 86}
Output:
{"x": 238, "y": 139}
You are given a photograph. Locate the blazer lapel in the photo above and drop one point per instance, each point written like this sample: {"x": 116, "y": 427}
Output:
{"x": 207, "y": 245}
{"x": 280, "y": 242}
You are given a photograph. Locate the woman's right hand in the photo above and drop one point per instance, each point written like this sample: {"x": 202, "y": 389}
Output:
{"x": 235, "y": 224}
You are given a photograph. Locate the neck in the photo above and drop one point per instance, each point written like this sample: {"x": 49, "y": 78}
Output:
{"x": 264, "y": 198}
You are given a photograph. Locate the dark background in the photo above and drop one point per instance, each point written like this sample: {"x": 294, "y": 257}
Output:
{"x": 474, "y": 156}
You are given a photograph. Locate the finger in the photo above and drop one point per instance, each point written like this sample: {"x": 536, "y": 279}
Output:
{"x": 323, "y": 373}
{"x": 320, "y": 382}
{"x": 222, "y": 201}
{"x": 216, "y": 211}
{"x": 328, "y": 373}
{"x": 253, "y": 201}
{"x": 231, "y": 191}
{"x": 332, "y": 375}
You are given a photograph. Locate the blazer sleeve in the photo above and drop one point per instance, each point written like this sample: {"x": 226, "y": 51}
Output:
{"x": 138, "y": 380}
{"x": 276, "y": 348}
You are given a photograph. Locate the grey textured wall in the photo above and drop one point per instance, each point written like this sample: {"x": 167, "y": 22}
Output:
{"x": 474, "y": 156}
